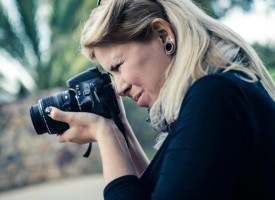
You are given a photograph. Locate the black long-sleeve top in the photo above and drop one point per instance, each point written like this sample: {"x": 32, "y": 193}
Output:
{"x": 222, "y": 146}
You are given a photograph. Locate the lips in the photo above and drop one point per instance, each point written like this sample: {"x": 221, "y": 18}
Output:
{"x": 137, "y": 98}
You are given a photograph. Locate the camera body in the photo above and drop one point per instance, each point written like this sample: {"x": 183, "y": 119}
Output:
{"x": 90, "y": 91}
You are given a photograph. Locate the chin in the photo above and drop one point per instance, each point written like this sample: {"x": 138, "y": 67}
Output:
{"x": 150, "y": 106}
{"x": 144, "y": 106}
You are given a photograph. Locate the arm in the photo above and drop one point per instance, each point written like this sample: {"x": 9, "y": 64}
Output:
{"x": 116, "y": 159}
{"x": 88, "y": 127}
{"x": 139, "y": 157}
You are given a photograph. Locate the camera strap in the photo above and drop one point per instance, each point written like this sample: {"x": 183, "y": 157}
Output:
{"x": 120, "y": 126}
{"x": 88, "y": 151}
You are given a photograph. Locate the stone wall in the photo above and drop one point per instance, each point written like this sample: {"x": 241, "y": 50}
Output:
{"x": 27, "y": 158}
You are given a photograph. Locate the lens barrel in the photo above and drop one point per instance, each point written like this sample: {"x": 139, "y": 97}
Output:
{"x": 42, "y": 122}
{"x": 37, "y": 120}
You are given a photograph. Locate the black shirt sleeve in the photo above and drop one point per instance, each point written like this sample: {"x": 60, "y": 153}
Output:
{"x": 125, "y": 187}
{"x": 208, "y": 146}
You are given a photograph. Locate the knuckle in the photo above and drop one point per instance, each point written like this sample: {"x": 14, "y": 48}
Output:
{"x": 70, "y": 118}
{"x": 60, "y": 139}
{"x": 53, "y": 114}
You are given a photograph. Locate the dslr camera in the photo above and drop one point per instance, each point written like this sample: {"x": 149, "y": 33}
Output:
{"x": 90, "y": 91}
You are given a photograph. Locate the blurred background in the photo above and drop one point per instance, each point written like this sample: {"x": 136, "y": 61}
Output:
{"x": 39, "y": 52}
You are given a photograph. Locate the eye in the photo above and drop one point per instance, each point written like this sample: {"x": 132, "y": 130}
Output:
{"x": 115, "y": 68}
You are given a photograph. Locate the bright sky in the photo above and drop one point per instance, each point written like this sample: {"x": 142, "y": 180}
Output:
{"x": 256, "y": 26}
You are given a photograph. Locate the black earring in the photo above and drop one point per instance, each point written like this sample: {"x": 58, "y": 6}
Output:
{"x": 169, "y": 47}
{"x": 98, "y": 2}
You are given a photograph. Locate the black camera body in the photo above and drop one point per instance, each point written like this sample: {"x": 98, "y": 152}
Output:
{"x": 90, "y": 91}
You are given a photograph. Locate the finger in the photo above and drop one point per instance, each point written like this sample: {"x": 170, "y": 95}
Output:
{"x": 72, "y": 135}
{"x": 65, "y": 136}
{"x": 60, "y": 139}
{"x": 58, "y": 114}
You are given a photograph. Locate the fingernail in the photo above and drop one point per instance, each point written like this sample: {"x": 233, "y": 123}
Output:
{"x": 48, "y": 110}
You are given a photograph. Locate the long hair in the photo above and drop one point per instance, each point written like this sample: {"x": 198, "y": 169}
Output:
{"x": 204, "y": 46}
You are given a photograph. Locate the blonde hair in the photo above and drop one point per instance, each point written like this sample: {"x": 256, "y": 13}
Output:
{"x": 204, "y": 45}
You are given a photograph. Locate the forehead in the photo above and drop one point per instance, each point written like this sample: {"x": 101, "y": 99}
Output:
{"x": 114, "y": 50}
{"x": 118, "y": 48}
{"x": 109, "y": 54}
{"x": 107, "y": 51}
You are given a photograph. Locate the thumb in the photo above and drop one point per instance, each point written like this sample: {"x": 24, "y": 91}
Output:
{"x": 57, "y": 114}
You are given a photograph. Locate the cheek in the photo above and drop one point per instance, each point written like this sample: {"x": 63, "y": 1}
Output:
{"x": 131, "y": 75}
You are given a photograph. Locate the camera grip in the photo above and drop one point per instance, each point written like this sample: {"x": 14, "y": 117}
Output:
{"x": 113, "y": 105}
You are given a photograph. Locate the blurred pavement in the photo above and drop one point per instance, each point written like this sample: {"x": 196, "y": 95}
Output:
{"x": 84, "y": 188}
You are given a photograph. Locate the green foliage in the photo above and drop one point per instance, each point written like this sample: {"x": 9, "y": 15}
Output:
{"x": 27, "y": 10}
{"x": 272, "y": 73}
{"x": 62, "y": 49}
{"x": 65, "y": 58}
{"x": 58, "y": 30}
{"x": 267, "y": 53}
{"x": 8, "y": 37}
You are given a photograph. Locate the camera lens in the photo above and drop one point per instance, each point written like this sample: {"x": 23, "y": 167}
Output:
{"x": 37, "y": 120}
{"x": 42, "y": 122}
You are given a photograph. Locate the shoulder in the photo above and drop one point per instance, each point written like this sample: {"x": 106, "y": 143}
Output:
{"x": 213, "y": 98}
{"x": 216, "y": 87}
{"x": 231, "y": 84}
{"x": 219, "y": 81}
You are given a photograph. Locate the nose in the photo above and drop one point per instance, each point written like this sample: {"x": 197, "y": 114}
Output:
{"x": 122, "y": 87}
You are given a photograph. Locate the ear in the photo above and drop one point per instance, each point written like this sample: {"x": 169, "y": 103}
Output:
{"x": 162, "y": 29}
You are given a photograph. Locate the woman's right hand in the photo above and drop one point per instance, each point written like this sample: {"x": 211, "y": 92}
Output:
{"x": 84, "y": 127}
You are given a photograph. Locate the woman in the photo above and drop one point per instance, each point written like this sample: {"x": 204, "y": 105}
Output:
{"x": 203, "y": 85}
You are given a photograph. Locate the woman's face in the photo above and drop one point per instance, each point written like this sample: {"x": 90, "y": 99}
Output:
{"x": 137, "y": 68}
